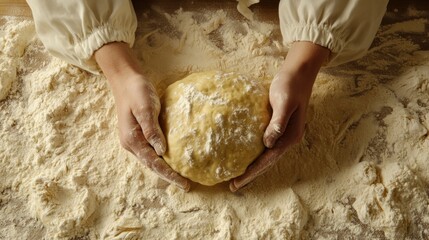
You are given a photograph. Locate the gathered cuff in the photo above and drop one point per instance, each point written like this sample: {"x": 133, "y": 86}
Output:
{"x": 317, "y": 34}
{"x": 102, "y": 35}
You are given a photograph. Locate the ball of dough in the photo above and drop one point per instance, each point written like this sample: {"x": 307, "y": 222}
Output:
{"x": 214, "y": 123}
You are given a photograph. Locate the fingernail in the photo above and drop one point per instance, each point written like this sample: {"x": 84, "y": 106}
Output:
{"x": 184, "y": 185}
{"x": 232, "y": 187}
{"x": 159, "y": 148}
{"x": 187, "y": 187}
{"x": 269, "y": 142}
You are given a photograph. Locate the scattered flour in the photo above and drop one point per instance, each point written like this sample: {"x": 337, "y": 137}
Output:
{"x": 13, "y": 40}
{"x": 7, "y": 76}
{"x": 412, "y": 26}
{"x": 361, "y": 171}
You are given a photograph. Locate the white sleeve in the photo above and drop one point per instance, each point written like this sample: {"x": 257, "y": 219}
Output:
{"x": 74, "y": 30}
{"x": 346, "y": 27}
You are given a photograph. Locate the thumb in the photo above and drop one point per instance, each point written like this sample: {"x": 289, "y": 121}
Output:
{"x": 148, "y": 121}
{"x": 153, "y": 133}
{"x": 156, "y": 137}
{"x": 279, "y": 120}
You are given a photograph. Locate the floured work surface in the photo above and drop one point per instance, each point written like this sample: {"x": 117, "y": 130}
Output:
{"x": 361, "y": 171}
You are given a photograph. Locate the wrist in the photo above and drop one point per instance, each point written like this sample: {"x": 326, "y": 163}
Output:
{"x": 117, "y": 62}
{"x": 305, "y": 59}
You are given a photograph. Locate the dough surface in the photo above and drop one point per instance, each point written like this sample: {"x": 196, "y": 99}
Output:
{"x": 214, "y": 123}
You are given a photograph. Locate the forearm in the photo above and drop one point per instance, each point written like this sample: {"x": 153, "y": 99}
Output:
{"x": 305, "y": 59}
{"x": 117, "y": 62}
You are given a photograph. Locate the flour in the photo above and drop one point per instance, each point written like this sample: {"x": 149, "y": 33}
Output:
{"x": 63, "y": 210}
{"x": 14, "y": 39}
{"x": 360, "y": 172}
{"x": 191, "y": 95}
{"x": 7, "y": 76}
{"x": 412, "y": 26}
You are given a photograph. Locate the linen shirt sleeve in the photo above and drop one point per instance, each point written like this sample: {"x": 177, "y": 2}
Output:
{"x": 346, "y": 27}
{"x": 74, "y": 30}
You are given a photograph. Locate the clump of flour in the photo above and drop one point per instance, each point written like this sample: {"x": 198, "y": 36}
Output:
{"x": 13, "y": 41}
{"x": 7, "y": 76}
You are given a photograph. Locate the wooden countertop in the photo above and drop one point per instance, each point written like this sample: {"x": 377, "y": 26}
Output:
{"x": 265, "y": 7}
{"x": 14, "y": 8}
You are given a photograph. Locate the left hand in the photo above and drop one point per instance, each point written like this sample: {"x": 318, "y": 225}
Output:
{"x": 138, "y": 107}
{"x": 290, "y": 92}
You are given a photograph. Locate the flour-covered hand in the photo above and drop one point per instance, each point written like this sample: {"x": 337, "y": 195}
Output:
{"x": 290, "y": 92}
{"x": 138, "y": 107}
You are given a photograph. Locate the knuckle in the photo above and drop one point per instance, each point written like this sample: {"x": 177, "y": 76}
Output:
{"x": 147, "y": 160}
{"x": 149, "y": 86}
{"x": 145, "y": 156}
{"x": 143, "y": 111}
{"x": 150, "y": 134}
{"x": 145, "y": 118}
{"x": 155, "y": 100}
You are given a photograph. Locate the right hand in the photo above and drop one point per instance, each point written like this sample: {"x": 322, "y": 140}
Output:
{"x": 138, "y": 108}
{"x": 290, "y": 92}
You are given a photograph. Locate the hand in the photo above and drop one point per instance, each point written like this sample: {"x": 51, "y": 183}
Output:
{"x": 138, "y": 107}
{"x": 290, "y": 92}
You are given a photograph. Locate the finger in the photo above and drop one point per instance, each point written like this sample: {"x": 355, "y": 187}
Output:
{"x": 282, "y": 111}
{"x": 267, "y": 160}
{"x": 258, "y": 167}
{"x": 146, "y": 154}
{"x": 147, "y": 117}
{"x": 150, "y": 159}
